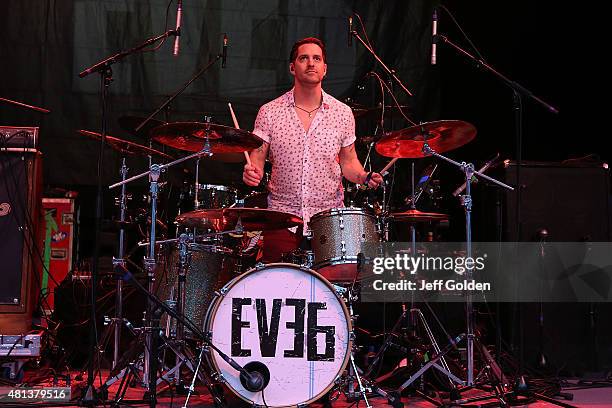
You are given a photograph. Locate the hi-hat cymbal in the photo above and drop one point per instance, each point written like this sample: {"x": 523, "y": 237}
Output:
{"x": 414, "y": 216}
{"x": 126, "y": 147}
{"x": 130, "y": 123}
{"x": 191, "y": 136}
{"x": 252, "y": 219}
{"x": 441, "y": 136}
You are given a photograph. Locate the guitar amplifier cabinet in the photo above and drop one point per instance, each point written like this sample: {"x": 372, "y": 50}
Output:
{"x": 572, "y": 202}
{"x": 20, "y": 252}
{"x": 18, "y": 139}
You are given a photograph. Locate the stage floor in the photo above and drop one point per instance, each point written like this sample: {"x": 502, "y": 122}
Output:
{"x": 585, "y": 395}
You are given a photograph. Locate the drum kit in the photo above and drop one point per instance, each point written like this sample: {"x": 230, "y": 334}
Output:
{"x": 273, "y": 320}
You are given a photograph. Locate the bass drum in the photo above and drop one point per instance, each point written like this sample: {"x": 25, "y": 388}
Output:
{"x": 286, "y": 322}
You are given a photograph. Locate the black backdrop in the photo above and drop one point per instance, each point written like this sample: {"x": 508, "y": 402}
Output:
{"x": 545, "y": 45}
{"x": 44, "y": 44}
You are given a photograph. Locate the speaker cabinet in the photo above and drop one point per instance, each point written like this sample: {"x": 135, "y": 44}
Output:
{"x": 572, "y": 202}
{"x": 20, "y": 252}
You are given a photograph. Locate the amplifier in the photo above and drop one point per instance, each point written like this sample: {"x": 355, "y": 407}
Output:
{"x": 18, "y": 138}
{"x": 570, "y": 200}
{"x": 21, "y": 346}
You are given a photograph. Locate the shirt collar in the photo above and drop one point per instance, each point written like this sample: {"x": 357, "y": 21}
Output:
{"x": 290, "y": 99}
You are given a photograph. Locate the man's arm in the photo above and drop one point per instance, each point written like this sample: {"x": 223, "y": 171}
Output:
{"x": 352, "y": 169}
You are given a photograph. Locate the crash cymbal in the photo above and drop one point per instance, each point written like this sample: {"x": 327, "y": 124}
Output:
{"x": 253, "y": 219}
{"x": 191, "y": 136}
{"x": 415, "y": 216}
{"x": 126, "y": 147}
{"x": 130, "y": 123}
{"x": 442, "y": 136}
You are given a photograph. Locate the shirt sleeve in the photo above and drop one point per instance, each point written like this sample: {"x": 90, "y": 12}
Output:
{"x": 262, "y": 127}
{"x": 348, "y": 128}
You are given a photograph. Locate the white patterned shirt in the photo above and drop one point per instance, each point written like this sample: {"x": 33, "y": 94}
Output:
{"x": 306, "y": 176}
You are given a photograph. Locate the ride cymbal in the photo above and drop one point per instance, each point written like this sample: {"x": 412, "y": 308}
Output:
{"x": 191, "y": 136}
{"x": 441, "y": 136}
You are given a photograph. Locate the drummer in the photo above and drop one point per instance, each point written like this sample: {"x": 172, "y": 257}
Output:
{"x": 309, "y": 137}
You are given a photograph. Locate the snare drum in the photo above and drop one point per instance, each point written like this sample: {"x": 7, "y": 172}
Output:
{"x": 337, "y": 235}
{"x": 286, "y": 320}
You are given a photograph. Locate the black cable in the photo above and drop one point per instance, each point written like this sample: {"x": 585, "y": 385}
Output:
{"x": 263, "y": 397}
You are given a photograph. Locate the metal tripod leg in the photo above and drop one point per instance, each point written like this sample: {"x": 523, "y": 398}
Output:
{"x": 434, "y": 363}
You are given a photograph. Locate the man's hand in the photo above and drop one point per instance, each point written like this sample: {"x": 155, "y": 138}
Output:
{"x": 374, "y": 180}
{"x": 251, "y": 175}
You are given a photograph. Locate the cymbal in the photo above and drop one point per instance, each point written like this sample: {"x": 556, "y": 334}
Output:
{"x": 442, "y": 136}
{"x": 191, "y": 136}
{"x": 126, "y": 147}
{"x": 253, "y": 219}
{"x": 130, "y": 123}
{"x": 415, "y": 216}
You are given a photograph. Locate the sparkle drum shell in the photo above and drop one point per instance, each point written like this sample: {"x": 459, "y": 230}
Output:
{"x": 337, "y": 235}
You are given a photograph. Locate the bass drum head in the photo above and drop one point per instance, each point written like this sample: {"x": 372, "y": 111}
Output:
{"x": 291, "y": 320}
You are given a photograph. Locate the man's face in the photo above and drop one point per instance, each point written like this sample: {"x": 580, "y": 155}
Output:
{"x": 308, "y": 67}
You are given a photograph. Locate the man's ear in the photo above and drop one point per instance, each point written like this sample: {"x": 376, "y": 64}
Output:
{"x": 291, "y": 68}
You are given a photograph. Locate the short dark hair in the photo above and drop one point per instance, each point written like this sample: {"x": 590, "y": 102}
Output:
{"x": 307, "y": 40}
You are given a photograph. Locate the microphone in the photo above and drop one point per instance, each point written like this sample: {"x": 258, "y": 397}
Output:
{"x": 350, "y": 31}
{"x": 434, "y": 36}
{"x": 255, "y": 376}
{"x": 177, "y": 37}
{"x": 224, "y": 52}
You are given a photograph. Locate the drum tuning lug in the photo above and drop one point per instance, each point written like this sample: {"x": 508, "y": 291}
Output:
{"x": 219, "y": 377}
{"x": 222, "y": 291}
{"x": 259, "y": 266}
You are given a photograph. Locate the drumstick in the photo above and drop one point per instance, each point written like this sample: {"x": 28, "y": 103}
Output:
{"x": 246, "y": 155}
{"x": 388, "y": 166}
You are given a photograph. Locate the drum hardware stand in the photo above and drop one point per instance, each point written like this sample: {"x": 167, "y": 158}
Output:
{"x": 114, "y": 324}
{"x": 466, "y": 201}
{"x": 104, "y": 68}
{"x": 151, "y": 362}
{"x": 518, "y": 92}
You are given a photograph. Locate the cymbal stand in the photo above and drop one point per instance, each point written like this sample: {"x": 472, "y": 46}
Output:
{"x": 117, "y": 322}
{"x": 466, "y": 201}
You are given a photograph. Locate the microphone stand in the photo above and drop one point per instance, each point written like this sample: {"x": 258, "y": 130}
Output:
{"x": 518, "y": 92}
{"x": 104, "y": 69}
{"x": 389, "y": 71}
{"x": 179, "y": 91}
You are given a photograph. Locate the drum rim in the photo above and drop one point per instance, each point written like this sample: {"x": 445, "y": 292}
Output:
{"x": 341, "y": 211}
{"x": 216, "y": 302}
{"x": 216, "y": 249}
{"x": 218, "y": 187}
